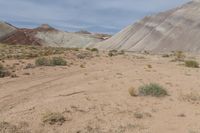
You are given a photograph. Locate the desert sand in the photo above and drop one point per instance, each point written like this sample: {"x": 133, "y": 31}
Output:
{"x": 92, "y": 95}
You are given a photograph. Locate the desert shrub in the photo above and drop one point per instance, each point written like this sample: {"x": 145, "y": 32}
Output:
{"x": 58, "y": 61}
{"x": 112, "y": 53}
{"x": 166, "y": 56}
{"x": 94, "y": 50}
{"x": 152, "y": 89}
{"x": 42, "y": 61}
{"x": 115, "y": 53}
{"x": 3, "y": 72}
{"x": 179, "y": 56}
{"x": 55, "y": 61}
{"x": 53, "y": 118}
{"x": 192, "y": 63}
{"x": 84, "y": 55}
{"x": 191, "y": 97}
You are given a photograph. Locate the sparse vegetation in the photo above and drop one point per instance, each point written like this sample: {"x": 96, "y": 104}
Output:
{"x": 55, "y": 61}
{"x": 141, "y": 115}
{"x": 191, "y": 97}
{"x": 152, "y": 89}
{"x": 166, "y": 56}
{"x": 192, "y": 63}
{"x": 179, "y": 56}
{"x": 29, "y": 52}
{"x": 92, "y": 49}
{"x": 53, "y": 118}
{"x": 84, "y": 55}
{"x": 58, "y": 61}
{"x": 115, "y": 53}
{"x": 6, "y": 127}
{"x": 3, "y": 71}
{"x": 42, "y": 61}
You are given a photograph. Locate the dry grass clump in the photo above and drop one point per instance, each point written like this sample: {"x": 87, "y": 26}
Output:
{"x": 84, "y": 55}
{"x": 191, "y": 97}
{"x": 6, "y": 127}
{"x": 132, "y": 91}
{"x": 140, "y": 115}
{"x": 152, "y": 89}
{"x": 55, "y": 61}
{"x": 3, "y": 72}
{"x": 53, "y": 118}
{"x": 179, "y": 56}
{"x": 192, "y": 64}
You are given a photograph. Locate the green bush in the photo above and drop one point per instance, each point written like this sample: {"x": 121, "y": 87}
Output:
{"x": 42, "y": 61}
{"x": 152, "y": 89}
{"x": 3, "y": 72}
{"x": 192, "y": 63}
{"x": 55, "y": 61}
{"x": 58, "y": 61}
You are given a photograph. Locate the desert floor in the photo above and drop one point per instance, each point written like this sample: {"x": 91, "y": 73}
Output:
{"x": 92, "y": 95}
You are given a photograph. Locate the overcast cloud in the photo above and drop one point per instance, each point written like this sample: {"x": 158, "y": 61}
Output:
{"x": 107, "y": 16}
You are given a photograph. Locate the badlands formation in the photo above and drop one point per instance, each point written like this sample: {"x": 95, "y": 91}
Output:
{"x": 84, "y": 90}
{"x": 174, "y": 30}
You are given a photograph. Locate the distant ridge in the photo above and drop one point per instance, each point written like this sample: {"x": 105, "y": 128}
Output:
{"x": 45, "y": 35}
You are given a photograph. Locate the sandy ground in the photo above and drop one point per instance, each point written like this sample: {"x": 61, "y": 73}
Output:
{"x": 95, "y": 99}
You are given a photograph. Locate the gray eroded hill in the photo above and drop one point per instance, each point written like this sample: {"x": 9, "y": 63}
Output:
{"x": 176, "y": 29}
{"x": 6, "y": 29}
{"x": 46, "y": 35}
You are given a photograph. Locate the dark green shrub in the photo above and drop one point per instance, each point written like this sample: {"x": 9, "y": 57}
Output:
{"x": 152, "y": 89}
{"x": 42, "y": 61}
{"x": 192, "y": 63}
{"x": 94, "y": 50}
{"x": 58, "y": 61}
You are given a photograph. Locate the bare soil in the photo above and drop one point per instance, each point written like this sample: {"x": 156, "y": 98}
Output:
{"x": 93, "y": 96}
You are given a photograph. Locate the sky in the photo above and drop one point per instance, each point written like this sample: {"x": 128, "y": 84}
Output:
{"x": 105, "y": 16}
